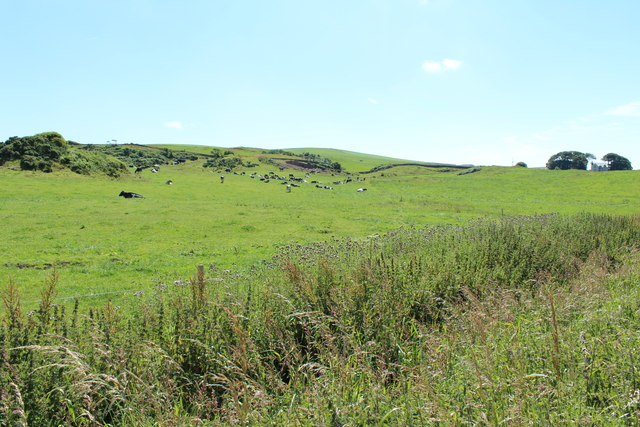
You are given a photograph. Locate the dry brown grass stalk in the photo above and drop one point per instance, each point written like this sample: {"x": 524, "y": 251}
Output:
{"x": 198, "y": 289}
{"x": 11, "y": 301}
{"x": 18, "y": 413}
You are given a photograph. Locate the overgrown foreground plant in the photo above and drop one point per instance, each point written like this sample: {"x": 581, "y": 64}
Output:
{"x": 522, "y": 321}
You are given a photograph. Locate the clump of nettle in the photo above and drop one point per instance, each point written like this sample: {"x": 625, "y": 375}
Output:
{"x": 531, "y": 319}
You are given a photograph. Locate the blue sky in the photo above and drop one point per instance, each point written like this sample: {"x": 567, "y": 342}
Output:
{"x": 461, "y": 81}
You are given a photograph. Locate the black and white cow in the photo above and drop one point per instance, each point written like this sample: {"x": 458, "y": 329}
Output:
{"x": 129, "y": 195}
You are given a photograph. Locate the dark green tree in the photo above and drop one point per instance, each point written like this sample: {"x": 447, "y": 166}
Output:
{"x": 615, "y": 162}
{"x": 521, "y": 165}
{"x": 569, "y": 160}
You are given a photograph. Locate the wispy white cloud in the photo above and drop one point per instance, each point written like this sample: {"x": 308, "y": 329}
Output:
{"x": 373, "y": 101}
{"x": 174, "y": 125}
{"x": 445, "y": 64}
{"x": 451, "y": 64}
{"x": 631, "y": 109}
{"x": 432, "y": 66}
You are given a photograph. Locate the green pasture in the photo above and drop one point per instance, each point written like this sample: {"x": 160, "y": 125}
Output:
{"x": 101, "y": 243}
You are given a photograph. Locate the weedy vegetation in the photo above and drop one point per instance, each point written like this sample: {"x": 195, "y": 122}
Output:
{"x": 523, "y": 320}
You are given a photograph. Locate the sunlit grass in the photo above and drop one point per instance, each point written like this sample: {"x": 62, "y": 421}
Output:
{"x": 101, "y": 242}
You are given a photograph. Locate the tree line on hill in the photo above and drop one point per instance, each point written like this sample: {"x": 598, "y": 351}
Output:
{"x": 565, "y": 160}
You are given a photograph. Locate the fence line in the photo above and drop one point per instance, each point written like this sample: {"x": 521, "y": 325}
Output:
{"x": 102, "y": 293}
{"x": 87, "y": 295}
{"x": 200, "y": 268}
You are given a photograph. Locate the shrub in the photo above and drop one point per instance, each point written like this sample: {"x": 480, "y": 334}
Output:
{"x": 37, "y": 152}
{"x": 138, "y": 156}
{"x": 470, "y": 170}
{"x": 46, "y": 151}
{"x": 223, "y": 162}
{"x": 87, "y": 163}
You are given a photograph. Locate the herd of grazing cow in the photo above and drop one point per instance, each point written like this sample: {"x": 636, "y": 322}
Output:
{"x": 291, "y": 181}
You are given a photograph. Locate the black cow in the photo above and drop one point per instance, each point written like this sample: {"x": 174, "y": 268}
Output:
{"x": 129, "y": 195}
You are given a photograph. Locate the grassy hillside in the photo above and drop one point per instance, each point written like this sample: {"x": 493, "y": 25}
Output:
{"x": 350, "y": 161}
{"x": 103, "y": 243}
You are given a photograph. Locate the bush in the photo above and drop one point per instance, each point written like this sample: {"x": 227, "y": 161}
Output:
{"x": 320, "y": 162}
{"x": 470, "y": 170}
{"x": 46, "y": 151}
{"x": 281, "y": 152}
{"x": 37, "y": 152}
{"x": 34, "y": 163}
{"x": 223, "y": 162}
{"x": 137, "y": 156}
{"x": 87, "y": 163}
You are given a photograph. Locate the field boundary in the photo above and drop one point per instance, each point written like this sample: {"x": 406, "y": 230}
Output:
{"x": 424, "y": 165}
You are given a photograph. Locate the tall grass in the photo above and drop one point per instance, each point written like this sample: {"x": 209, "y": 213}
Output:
{"x": 523, "y": 320}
